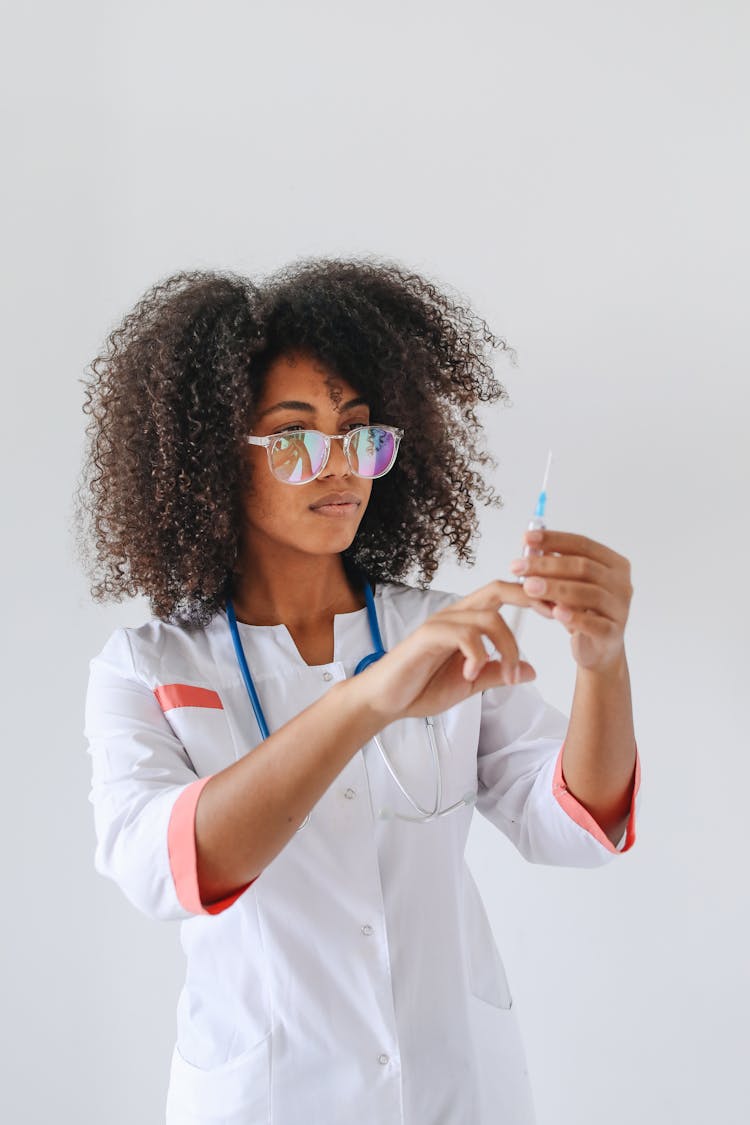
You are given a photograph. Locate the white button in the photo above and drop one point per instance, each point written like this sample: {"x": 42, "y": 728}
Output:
{"x": 327, "y": 676}
{"x": 367, "y": 930}
{"x": 350, "y": 794}
{"x": 383, "y": 1059}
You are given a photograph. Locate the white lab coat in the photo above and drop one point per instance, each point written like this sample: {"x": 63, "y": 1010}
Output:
{"x": 357, "y": 978}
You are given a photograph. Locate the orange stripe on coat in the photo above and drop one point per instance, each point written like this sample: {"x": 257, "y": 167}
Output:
{"x": 184, "y": 695}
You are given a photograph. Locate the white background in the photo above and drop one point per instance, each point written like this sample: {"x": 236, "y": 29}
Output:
{"x": 579, "y": 173}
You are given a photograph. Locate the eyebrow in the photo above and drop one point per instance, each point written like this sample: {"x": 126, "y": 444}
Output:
{"x": 308, "y": 407}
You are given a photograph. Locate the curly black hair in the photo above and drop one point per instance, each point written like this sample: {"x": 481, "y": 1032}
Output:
{"x": 171, "y": 397}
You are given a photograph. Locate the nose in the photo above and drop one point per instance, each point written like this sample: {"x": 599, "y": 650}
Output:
{"x": 337, "y": 464}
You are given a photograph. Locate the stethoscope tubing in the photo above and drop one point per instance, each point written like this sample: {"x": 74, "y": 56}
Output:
{"x": 379, "y": 651}
{"x": 244, "y": 669}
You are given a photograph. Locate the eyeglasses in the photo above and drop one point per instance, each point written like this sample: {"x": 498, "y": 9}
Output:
{"x": 299, "y": 456}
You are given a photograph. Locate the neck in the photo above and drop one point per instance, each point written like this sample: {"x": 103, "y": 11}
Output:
{"x": 297, "y": 591}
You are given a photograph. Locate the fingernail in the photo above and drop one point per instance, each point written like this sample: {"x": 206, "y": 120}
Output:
{"x": 519, "y": 566}
{"x": 517, "y": 674}
{"x": 562, "y": 613}
{"x": 534, "y": 536}
{"x": 535, "y": 585}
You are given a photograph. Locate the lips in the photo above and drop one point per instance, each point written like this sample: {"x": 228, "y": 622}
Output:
{"x": 334, "y": 498}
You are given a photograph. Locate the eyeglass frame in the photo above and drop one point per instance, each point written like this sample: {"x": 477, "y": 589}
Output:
{"x": 268, "y": 440}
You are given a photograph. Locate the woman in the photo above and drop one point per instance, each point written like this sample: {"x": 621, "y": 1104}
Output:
{"x": 267, "y": 463}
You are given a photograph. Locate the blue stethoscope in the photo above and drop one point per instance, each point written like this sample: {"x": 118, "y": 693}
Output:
{"x": 423, "y": 813}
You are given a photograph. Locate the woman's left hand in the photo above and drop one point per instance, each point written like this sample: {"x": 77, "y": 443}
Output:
{"x": 586, "y": 586}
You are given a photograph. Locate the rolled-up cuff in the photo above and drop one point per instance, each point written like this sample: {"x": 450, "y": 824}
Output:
{"x": 583, "y": 817}
{"x": 183, "y": 858}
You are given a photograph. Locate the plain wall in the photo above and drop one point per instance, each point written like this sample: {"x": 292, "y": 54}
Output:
{"x": 579, "y": 174}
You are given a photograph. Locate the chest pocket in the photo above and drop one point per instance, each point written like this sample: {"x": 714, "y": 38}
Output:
{"x": 198, "y": 719}
{"x": 457, "y": 736}
{"x": 408, "y": 746}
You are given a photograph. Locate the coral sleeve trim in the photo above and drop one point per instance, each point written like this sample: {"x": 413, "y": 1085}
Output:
{"x": 183, "y": 859}
{"x": 583, "y": 817}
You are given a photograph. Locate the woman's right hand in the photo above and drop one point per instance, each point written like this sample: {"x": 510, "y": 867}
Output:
{"x": 444, "y": 660}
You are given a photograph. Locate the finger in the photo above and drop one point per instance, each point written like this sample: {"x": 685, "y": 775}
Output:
{"x": 567, "y": 543}
{"x": 544, "y": 609}
{"x": 577, "y": 567}
{"x": 583, "y": 621}
{"x": 489, "y": 623}
{"x": 469, "y": 641}
{"x": 477, "y": 659}
{"x": 492, "y": 675}
{"x": 578, "y": 595}
{"x": 492, "y": 596}
{"x": 450, "y": 636}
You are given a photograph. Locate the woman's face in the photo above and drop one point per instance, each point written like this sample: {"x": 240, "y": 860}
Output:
{"x": 295, "y": 394}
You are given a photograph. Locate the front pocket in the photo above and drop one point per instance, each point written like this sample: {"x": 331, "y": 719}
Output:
{"x": 235, "y": 1093}
{"x": 486, "y": 972}
{"x": 488, "y": 980}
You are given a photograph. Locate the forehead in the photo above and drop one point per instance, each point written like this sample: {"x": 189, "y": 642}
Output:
{"x": 304, "y": 378}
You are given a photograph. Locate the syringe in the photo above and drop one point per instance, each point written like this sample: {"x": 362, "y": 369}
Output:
{"x": 536, "y": 522}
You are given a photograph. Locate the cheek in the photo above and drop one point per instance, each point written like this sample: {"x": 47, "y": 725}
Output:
{"x": 272, "y": 506}
{"x": 263, "y": 499}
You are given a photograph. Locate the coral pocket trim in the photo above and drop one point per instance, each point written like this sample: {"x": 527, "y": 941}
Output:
{"x": 185, "y": 695}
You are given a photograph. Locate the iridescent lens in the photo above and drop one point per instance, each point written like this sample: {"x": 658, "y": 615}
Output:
{"x": 372, "y": 451}
{"x": 296, "y": 458}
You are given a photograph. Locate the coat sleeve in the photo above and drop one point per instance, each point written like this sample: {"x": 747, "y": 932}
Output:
{"x": 522, "y": 788}
{"x": 144, "y": 791}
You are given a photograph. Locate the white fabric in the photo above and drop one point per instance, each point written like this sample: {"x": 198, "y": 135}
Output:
{"x": 357, "y": 978}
